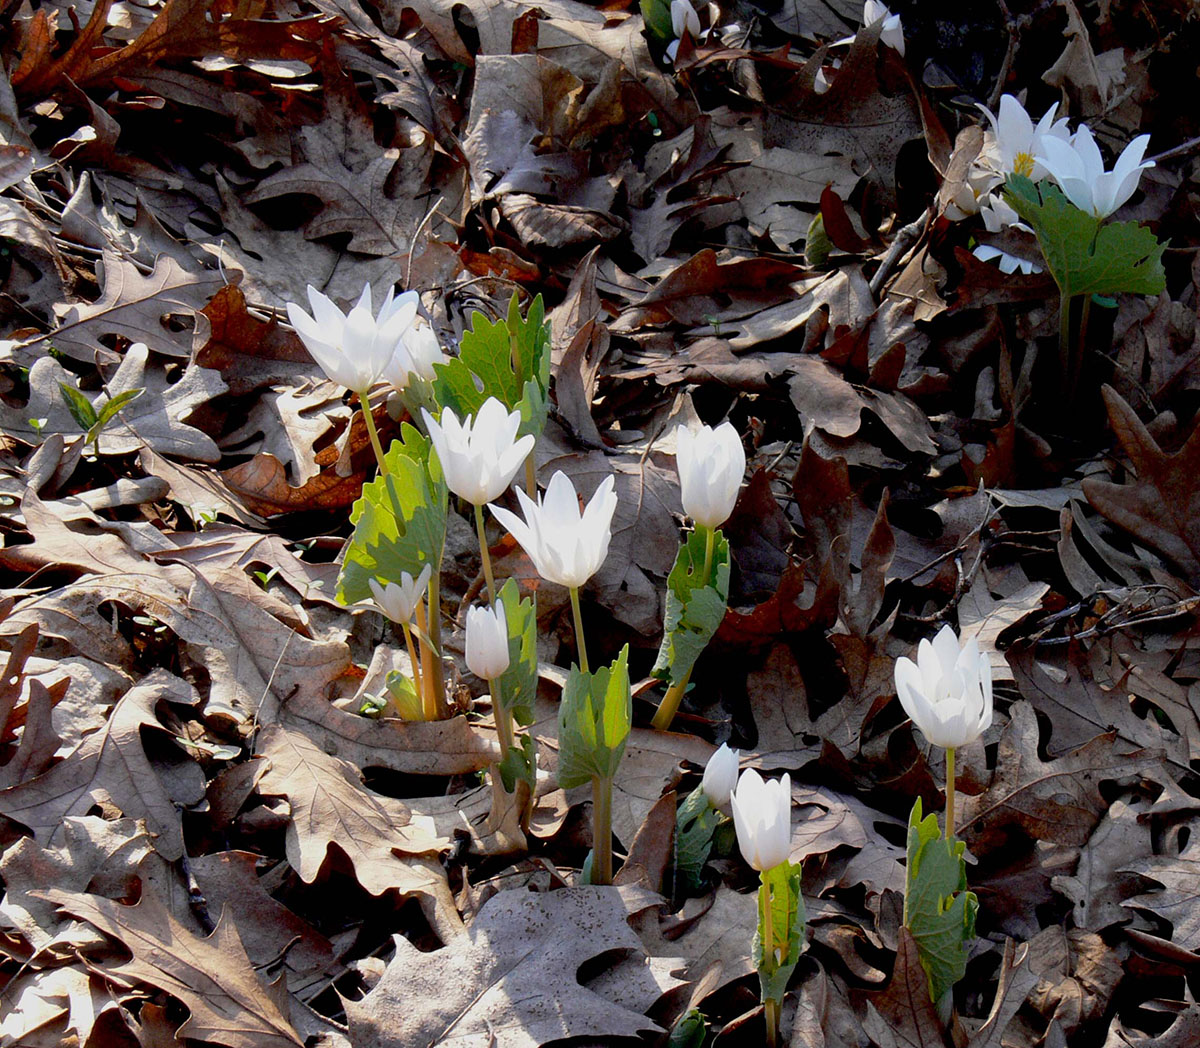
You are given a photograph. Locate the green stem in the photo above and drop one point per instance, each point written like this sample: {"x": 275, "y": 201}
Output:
{"x": 487, "y": 559}
{"x": 770, "y": 1006}
{"x": 429, "y": 699}
{"x": 671, "y": 700}
{"x": 602, "y": 830}
{"x": 670, "y": 703}
{"x": 771, "y": 1018}
{"x": 950, "y": 793}
{"x": 579, "y": 642}
{"x": 433, "y": 665}
{"x": 1077, "y": 370}
{"x": 1065, "y": 354}
{"x": 372, "y": 432}
{"x": 531, "y": 477}
{"x": 412, "y": 657}
{"x": 502, "y": 718}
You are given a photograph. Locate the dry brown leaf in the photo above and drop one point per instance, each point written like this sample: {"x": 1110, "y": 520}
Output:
{"x": 330, "y": 808}
{"x": 1162, "y": 506}
{"x": 154, "y": 419}
{"x": 213, "y": 977}
{"x": 1057, "y": 800}
{"x": 133, "y": 306}
{"x": 110, "y": 765}
{"x": 903, "y": 1016}
{"x": 512, "y": 980}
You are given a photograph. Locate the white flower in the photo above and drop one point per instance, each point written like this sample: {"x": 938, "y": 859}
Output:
{"x": 1078, "y": 168}
{"x": 487, "y": 641}
{"x": 415, "y": 354}
{"x": 711, "y": 463}
{"x": 893, "y": 30}
{"x": 998, "y": 215}
{"x": 720, "y": 776}
{"x": 684, "y": 19}
{"x": 353, "y": 349}
{"x": 398, "y": 601}
{"x": 947, "y": 692}
{"x": 762, "y": 815}
{"x": 1007, "y": 263}
{"x": 480, "y": 458}
{"x": 565, "y": 546}
{"x": 1014, "y": 145}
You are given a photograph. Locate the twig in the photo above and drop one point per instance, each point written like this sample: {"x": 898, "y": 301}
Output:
{"x": 905, "y": 239}
{"x": 1190, "y": 146}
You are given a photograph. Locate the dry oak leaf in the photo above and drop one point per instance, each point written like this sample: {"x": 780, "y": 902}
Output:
{"x": 154, "y": 419}
{"x": 1177, "y": 899}
{"x": 133, "y": 306}
{"x": 330, "y": 807}
{"x": 109, "y": 765}
{"x": 1162, "y": 506}
{"x": 1057, "y": 800}
{"x": 512, "y": 981}
{"x": 903, "y": 1016}
{"x": 213, "y": 977}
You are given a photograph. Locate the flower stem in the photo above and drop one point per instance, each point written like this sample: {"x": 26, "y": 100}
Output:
{"x": 531, "y": 477}
{"x": 671, "y": 700}
{"x": 433, "y": 665}
{"x": 502, "y": 718}
{"x": 670, "y": 703}
{"x": 601, "y": 829}
{"x": 416, "y": 663}
{"x": 372, "y": 432}
{"x": 771, "y": 1018}
{"x": 429, "y": 698}
{"x": 1065, "y": 354}
{"x": 710, "y": 541}
{"x": 770, "y": 1006}
{"x": 1081, "y": 351}
{"x": 579, "y": 642}
{"x": 487, "y": 559}
{"x": 950, "y": 793}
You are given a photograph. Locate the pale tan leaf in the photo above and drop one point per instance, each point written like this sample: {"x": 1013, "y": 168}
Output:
{"x": 213, "y": 977}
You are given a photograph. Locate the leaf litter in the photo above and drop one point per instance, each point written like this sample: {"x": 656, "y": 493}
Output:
{"x": 203, "y": 838}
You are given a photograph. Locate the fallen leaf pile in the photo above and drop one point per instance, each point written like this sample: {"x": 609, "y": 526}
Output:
{"x": 202, "y": 837}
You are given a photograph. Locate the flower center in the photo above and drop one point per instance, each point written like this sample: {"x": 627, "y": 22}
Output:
{"x": 1023, "y": 164}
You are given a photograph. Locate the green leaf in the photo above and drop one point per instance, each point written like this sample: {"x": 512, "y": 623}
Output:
{"x": 115, "y": 405}
{"x": 78, "y": 405}
{"x": 399, "y": 521}
{"x": 694, "y": 611}
{"x": 1085, "y": 255}
{"x": 690, "y": 1028}
{"x": 657, "y": 16}
{"x": 696, "y": 822}
{"x": 521, "y": 763}
{"x": 403, "y": 694}
{"x": 594, "y": 719}
{"x": 518, "y": 684}
{"x": 787, "y": 912}
{"x": 817, "y": 245}
{"x": 507, "y": 359}
{"x": 938, "y": 909}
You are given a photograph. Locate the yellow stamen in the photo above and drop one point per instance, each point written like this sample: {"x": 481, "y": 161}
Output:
{"x": 1023, "y": 165}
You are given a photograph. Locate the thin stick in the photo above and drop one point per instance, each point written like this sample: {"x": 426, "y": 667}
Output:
{"x": 1064, "y": 347}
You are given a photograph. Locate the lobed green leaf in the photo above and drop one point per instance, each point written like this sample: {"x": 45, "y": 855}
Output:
{"x": 939, "y": 911}
{"x": 1085, "y": 255}
{"x": 694, "y": 608}
{"x": 594, "y": 719}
